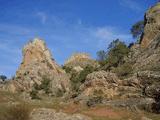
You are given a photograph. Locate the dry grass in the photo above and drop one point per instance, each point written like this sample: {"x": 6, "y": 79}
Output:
{"x": 16, "y": 112}
{"x": 100, "y": 112}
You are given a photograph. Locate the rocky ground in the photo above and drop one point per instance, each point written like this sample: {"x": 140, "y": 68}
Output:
{"x": 58, "y": 109}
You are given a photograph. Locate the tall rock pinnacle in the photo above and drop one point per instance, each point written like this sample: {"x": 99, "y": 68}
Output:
{"x": 38, "y": 63}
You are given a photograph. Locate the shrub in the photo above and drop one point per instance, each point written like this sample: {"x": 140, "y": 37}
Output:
{"x": 3, "y": 77}
{"x": 117, "y": 53}
{"x": 17, "y": 112}
{"x": 36, "y": 86}
{"x": 34, "y": 94}
{"x": 94, "y": 100}
{"x": 123, "y": 70}
{"x": 114, "y": 57}
{"x": 84, "y": 73}
{"x": 59, "y": 93}
{"x": 98, "y": 92}
{"x": 137, "y": 29}
{"x": 101, "y": 55}
{"x": 67, "y": 69}
{"x": 78, "y": 78}
{"x": 45, "y": 85}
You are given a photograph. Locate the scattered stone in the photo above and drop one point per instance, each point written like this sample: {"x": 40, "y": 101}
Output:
{"x": 145, "y": 118}
{"x": 51, "y": 114}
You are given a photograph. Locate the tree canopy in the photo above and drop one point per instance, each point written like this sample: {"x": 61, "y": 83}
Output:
{"x": 3, "y": 77}
{"x": 137, "y": 29}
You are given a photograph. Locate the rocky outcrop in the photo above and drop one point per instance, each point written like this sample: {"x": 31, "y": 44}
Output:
{"x": 38, "y": 65}
{"x": 152, "y": 25}
{"x": 51, "y": 114}
{"x": 149, "y": 58}
{"x": 100, "y": 83}
{"x": 79, "y": 61}
{"x": 108, "y": 86}
{"x": 146, "y": 57}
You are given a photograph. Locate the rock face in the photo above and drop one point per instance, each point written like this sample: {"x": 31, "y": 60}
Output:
{"x": 108, "y": 86}
{"x": 149, "y": 58}
{"x": 51, "y": 114}
{"x": 78, "y": 57}
{"x": 38, "y": 65}
{"x": 146, "y": 57}
{"x": 152, "y": 25}
{"x": 100, "y": 82}
{"x": 36, "y": 53}
{"x": 79, "y": 61}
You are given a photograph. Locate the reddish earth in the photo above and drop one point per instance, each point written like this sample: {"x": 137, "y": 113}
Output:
{"x": 72, "y": 108}
{"x": 103, "y": 112}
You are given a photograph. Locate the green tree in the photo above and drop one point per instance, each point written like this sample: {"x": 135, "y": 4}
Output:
{"x": 3, "y": 77}
{"x": 101, "y": 55}
{"x": 137, "y": 29}
{"x": 78, "y": 79}
{"x": 117, "y": 51}
{"x": 113, "y": 44}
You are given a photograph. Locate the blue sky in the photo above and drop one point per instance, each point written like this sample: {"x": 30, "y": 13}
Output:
{"x": 67, "y": 26}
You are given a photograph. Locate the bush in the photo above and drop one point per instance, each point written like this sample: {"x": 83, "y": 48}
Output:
{"x": 78, "y": 78}
{"x": 45, "y": 85}
{"x": 123, "y": 70}
{"x": 34, "y": 94}
{"x": 59, "y": 93}
{"x": 137, "y": 29}
{"x": 117, "y": 53}
{"x": 94, "y": 100}
{"x": 17, "y": 112}
{"x": 114, "y": 57}
{"x": 67, "y": 69}
{"x": 36, "y": 86}
{"x": 101, "y": 55}
{"x": 3, "y": 77}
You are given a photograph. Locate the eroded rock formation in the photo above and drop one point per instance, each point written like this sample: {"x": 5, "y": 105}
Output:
{"x": 38, "y": 65}
{"x": 152, "y": 25}
{"x": 79, "y": 61}
{"x": 108, "y": 86}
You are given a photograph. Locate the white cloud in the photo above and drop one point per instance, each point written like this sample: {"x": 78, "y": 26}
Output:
{"x": 108, "y": 34}
{"x": 14, "y": 29}
{"x": 42, "y": 16}
{"x": 131, "y": 4}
